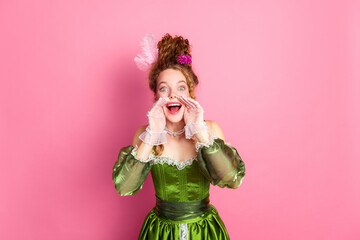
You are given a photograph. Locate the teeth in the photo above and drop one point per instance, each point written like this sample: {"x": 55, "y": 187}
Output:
{"x": 174, "y": 105}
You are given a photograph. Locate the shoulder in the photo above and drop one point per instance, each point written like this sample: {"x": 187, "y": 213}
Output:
{"x": 136, "y": 139}
{"x": 215, "y": 128}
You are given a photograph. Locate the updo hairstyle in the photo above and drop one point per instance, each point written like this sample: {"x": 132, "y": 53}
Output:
{"x": 169, "y": 48}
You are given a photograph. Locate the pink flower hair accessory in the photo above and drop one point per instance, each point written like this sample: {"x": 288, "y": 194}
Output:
{"x": 184, "y": 59}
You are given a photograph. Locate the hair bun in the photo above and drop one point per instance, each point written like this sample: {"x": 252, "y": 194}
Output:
{"x": 169, "y": 48}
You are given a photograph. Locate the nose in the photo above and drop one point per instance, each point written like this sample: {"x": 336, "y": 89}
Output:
{"x": 172, "y": 96}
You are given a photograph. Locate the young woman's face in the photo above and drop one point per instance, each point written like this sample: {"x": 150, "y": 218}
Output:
{"x": 171, "y": 83}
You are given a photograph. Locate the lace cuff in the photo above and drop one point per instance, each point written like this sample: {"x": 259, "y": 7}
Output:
{"x": 153, "y": 138}
{"x": 194, "y": 128}
{"x": 198, "y": 145}
{"x": 134, "y": 153}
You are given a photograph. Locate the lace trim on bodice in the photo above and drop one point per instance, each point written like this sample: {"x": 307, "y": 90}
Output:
{"x": 172, "y": 162}
{"x": 179, "y": 165}
{"x": 161, "y": 160}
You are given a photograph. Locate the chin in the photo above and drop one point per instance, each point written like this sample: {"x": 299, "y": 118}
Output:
{"x": 175, "y": 118}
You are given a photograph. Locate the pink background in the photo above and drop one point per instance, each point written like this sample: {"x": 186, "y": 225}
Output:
{"x": 280, "y": 77}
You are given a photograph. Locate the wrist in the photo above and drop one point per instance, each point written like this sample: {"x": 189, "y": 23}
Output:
{"x": 153, "y": 138}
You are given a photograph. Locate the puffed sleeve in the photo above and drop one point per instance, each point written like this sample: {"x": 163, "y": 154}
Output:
{"x": 129, "y": 173}
{"x": 221, "y": 163}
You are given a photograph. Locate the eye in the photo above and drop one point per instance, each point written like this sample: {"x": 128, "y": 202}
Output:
{"x": 163, "y": 89}
{"x": 182, "y": 88}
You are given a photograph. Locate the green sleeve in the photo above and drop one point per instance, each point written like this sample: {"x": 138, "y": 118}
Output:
{"x": 221, "y": 164}
{"x": 129, "y": 174}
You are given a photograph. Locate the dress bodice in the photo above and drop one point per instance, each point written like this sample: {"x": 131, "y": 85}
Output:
{"x": 182, "y": 189}
{"x": 217, "y": 164}
{"x": 179, "y": 181}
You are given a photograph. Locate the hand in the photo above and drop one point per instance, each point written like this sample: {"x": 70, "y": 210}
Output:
{"x": 194, "y": 113}
{"x": 156, "y": 116}
{"x": 195, "y": 126}
{"x": 155, "y": 133}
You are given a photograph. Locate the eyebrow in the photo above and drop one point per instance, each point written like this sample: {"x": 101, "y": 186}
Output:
{"x": 178, "y": 82}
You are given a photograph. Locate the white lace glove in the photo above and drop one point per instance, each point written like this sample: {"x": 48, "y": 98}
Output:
{"x": 193, "y": 117}
{"x": 155, "y": 133}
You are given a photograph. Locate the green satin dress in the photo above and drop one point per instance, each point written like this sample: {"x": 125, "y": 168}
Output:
{"x": 182, "y": 210}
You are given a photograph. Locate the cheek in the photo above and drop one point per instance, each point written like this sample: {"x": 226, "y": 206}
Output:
{"x": 185, "y": 93}
{"x": 161, "y": 94}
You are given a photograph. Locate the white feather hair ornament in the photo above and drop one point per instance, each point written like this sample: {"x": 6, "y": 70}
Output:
{"x": 149, "y": 52}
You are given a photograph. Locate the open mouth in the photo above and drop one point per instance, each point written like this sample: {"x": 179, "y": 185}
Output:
{"x": 173, "y": 108}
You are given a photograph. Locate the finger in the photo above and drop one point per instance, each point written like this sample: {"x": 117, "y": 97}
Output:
{"x": 186, "y": 105}
{"x": 162, "y": 101}
{"x": 190, "y": 104}
{"x": 181, "y": 99}
{"x": 197, "y": 104}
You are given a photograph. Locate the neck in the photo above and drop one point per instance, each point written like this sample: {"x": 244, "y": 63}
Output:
{"x": 175, "y": 126}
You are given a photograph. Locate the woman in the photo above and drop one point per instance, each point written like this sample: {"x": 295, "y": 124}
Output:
{"x": 183, "y": 152}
